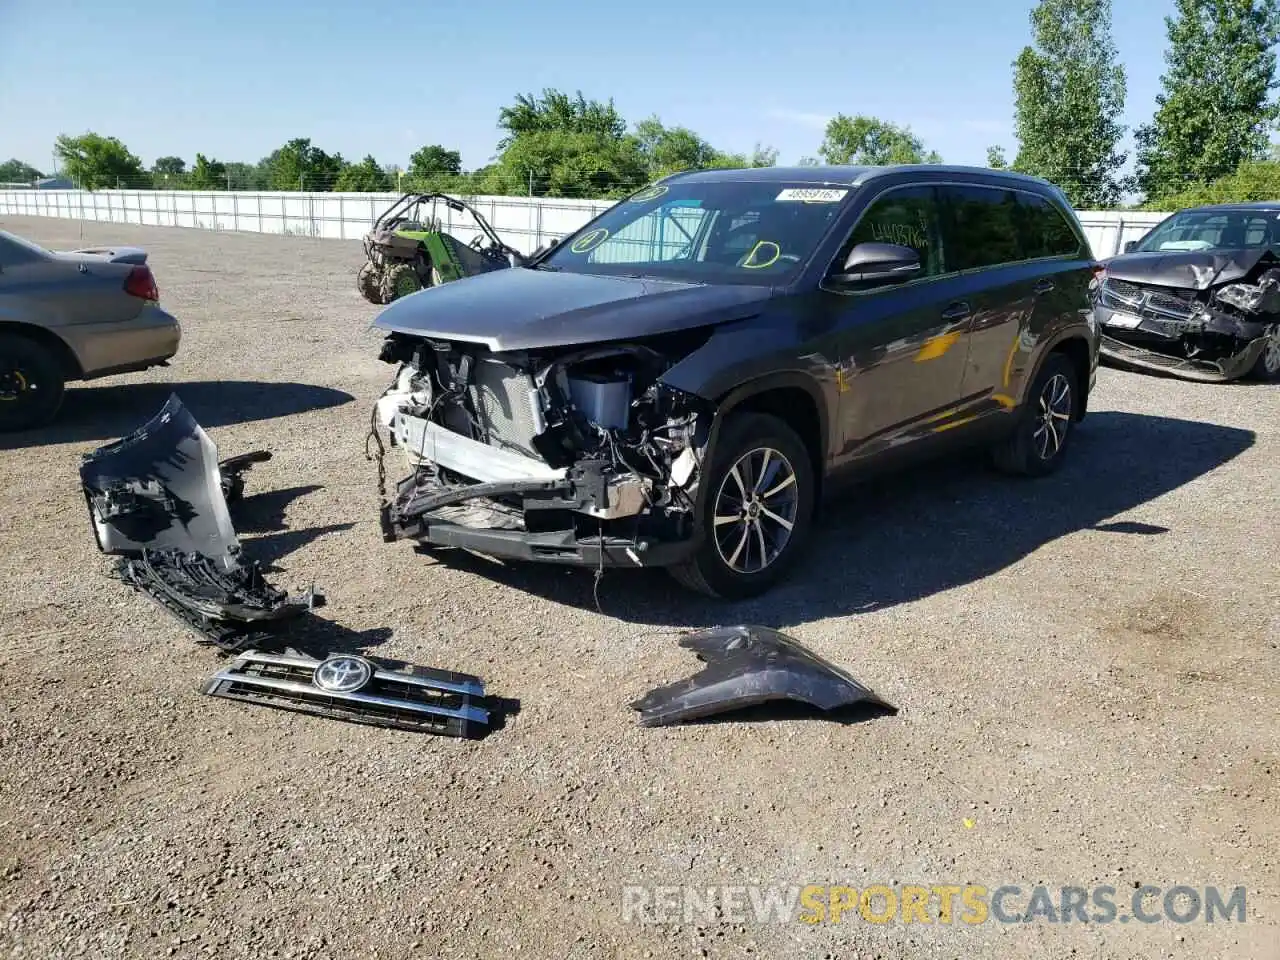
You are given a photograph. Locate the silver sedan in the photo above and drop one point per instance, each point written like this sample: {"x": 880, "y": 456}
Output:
{"x": 75, "y": 315}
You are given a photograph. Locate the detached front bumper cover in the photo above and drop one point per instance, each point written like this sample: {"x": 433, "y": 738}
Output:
{"x": 747, "y": 666}
{"x": 158, "y": 502}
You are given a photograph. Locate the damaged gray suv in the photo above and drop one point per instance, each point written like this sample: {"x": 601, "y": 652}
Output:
{"x": 682, "y": 380}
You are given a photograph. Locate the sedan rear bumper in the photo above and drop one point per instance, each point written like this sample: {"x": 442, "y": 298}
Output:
{"x": 103, "y": 349}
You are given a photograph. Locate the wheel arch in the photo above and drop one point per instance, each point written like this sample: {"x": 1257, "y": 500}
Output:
{"x": 794, "y": 398}
{"x": 67, "y": 358}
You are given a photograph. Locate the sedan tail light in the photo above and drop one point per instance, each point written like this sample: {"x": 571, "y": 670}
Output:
{"x": 141, "y": 283}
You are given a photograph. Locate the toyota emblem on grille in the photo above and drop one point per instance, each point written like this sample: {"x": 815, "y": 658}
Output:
{"x": 343, "y": 674}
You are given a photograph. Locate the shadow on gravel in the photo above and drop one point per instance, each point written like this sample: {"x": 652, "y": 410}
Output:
{"x": 273, "y": 547}
{"x": 264, "y": 512}
{"x": 103, "y": 413}
{"x": 922, "y": 531}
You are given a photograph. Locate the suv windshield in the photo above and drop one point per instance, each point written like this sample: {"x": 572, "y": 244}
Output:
{"x": 1214, "y": 230}
{"x": 726, "y": 231}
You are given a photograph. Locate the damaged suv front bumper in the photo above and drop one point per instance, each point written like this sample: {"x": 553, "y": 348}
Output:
{"x": 494, "y": 518}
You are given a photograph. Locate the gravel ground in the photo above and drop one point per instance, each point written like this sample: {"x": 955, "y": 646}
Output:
{"x": 1086, "y": 669}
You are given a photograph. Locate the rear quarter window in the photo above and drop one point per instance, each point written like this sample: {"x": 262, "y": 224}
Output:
{"x": 1043, "y": 230}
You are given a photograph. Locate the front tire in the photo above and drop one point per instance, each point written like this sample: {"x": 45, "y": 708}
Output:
{"x": 32, "y": 383}
{"x": 758, "y": 506}
{"x": 369, "y": 283}
{"x": 1038, "y": 443}
{"x": 1268, "y": 366}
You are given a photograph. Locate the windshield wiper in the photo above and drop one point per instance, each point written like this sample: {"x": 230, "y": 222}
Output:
{"x": 547, "y": 266}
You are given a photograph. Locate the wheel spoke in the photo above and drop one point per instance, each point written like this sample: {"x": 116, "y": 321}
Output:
{"x": 780, "y": 521}
{"x": 746, "y": 530}
{"x": 764, "y": 471}
{"x": 782, "y": 485}
{"x": 765, "y": 559}
{"x": 737, "y": 478}
{"x": 721, "y": 521}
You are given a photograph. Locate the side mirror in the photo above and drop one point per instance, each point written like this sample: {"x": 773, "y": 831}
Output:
{"x": 878, "y": 263}
{"x": 1130, "y": 246}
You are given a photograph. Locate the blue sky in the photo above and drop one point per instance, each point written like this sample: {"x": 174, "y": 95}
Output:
{"x": 234, "y": 79}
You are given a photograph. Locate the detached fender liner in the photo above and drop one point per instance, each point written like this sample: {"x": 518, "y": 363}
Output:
{"x": 747, "y": 666}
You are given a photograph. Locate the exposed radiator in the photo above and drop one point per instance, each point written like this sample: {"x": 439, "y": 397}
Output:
{"x": 500, "y": 393}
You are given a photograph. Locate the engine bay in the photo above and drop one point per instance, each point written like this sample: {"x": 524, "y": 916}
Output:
{"x": 589, "y": 440}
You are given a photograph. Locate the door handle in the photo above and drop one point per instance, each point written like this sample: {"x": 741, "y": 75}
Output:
{"x": 1044, "y": 286}
{"x": 957, "y": 311}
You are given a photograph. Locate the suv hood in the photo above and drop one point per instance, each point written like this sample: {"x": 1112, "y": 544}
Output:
{"x": 1190, "y": 270}
{"x": 527, "y": 309}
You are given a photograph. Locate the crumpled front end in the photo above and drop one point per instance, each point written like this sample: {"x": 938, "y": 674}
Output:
{"x": 580, "y": 456}
{"x": 1214, "y": 334}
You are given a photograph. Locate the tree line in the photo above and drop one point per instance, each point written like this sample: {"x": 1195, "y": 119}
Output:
{"x": 1208, "y": 140}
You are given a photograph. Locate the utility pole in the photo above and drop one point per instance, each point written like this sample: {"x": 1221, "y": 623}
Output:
{"x": 531, "y": 183}
{"x": 228, "y": 179}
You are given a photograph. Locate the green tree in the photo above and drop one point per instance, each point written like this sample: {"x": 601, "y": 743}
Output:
{"x": 1215, "y": 107}
{"x": 869, "y": 140}
{"x": 299, "y": 165}
{"x": 172, "y": 166}
{"x": 556, "y": 111}
{"x": 15, "y": 171}
{"x": 96, "y": 162}
{"x": 435, "y": 161}
{"x": 995, "y": 158}
{"x": 367, "y": 176}
{"x": 671, "y": 149}
{"x": 247, "y": 176}
{"x": 169, "y": 173}
{"x": 1254, "y": 180}
{"x": 1069, "y": 89}
{"x": 208, "y": 174}
{"x": 557, "y": 164}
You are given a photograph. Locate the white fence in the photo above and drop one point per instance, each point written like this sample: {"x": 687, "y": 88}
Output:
{"x": 523, "y": 222}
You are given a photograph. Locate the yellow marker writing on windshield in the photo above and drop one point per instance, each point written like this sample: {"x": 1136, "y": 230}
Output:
{"x": 748, "y": 263}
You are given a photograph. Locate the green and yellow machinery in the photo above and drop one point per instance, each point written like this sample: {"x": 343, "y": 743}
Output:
{"x": 408, "y": 250}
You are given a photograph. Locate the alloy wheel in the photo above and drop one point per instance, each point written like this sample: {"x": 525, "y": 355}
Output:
{"x": 755, "y": 510}
{"x": 1271, "y": 355}
{"x": 1053, "y": 417}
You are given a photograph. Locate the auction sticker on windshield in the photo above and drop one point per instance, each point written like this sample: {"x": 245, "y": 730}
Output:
{"x": 812, "y": 195}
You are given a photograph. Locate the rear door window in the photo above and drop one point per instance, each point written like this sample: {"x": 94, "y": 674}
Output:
{"x": 980, "y": 227}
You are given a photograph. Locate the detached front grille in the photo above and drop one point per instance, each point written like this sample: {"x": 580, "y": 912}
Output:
{"x": 425, "y": 700}
{"x": 500, "y": 393}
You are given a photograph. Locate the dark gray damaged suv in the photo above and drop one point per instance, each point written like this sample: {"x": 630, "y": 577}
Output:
{"x": 679, "y": 382}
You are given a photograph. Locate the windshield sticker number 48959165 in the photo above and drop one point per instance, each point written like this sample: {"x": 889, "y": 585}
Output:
{"x": 812, "y": 195}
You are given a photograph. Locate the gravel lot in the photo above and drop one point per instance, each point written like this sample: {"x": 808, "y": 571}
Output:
{"x": 1086, "y": 669}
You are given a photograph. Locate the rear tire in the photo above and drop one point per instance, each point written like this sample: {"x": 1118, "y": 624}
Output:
{"x": 32, "y": 383}
{"x": 400, "y": 281}
{"x": 369, "y": 283}
{"x": 1267, "y": 368}
{"x": 1038, "y": 443}
{"x": 750, "y": 542}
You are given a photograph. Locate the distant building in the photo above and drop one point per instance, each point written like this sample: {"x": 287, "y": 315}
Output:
{"x": 44, "y": 183}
